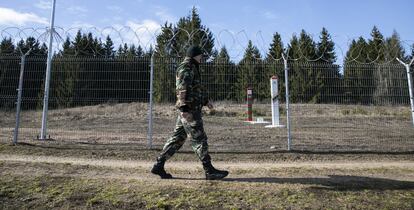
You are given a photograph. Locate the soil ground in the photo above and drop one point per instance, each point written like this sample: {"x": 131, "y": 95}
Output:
{"x": 343, "y": 157}
{"x": 32, "y": 181}
{"x": 314, "y": 127}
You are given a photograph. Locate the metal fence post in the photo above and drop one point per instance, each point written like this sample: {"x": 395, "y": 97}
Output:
{"x": 151, "y": 93}
{"x": 19, "y": 97}
{"x": 410, "y": 85}
{"x": 287, "y": 101}
{"x": 48, "y": 72}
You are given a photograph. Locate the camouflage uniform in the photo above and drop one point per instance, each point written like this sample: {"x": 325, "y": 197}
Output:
{"x": 191, "y": 98}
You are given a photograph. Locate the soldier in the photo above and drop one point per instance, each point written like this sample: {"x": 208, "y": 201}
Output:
{"x": 190, "y": 100}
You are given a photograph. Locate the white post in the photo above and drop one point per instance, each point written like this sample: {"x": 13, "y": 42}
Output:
{"x": 287, "y": 100}
{"x": 410, "y": 85}
{"x": 151, "y": 92}
{"x": 48, "y": 72}
{"x": 275, "y": 103}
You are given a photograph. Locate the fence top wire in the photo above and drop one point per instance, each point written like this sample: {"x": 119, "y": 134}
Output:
{"x": 140, "y": 41}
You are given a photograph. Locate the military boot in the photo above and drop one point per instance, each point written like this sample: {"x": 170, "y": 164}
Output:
{"x": 158, "y": 169}
{"x": 212, "y": 173}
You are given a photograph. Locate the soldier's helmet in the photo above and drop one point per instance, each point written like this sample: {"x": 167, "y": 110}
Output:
{"x": 193, "y": 51}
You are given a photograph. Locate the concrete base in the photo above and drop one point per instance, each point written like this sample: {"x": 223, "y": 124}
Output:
{"x": 259, "y": 122}
{"x": 275, "y": 126}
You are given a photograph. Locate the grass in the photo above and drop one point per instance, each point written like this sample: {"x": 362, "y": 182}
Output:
{"x": 69, "y": 186}
{"x": 66, "y": 192}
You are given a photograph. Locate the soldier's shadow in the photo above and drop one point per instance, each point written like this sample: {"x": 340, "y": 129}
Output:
{"x": 332, "y": 182}
{"x": 336, "y": 182}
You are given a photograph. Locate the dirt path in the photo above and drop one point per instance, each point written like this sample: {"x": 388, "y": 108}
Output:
{"x": 56, "y": 181}
{"x": 130, "y": 169}
{"x": 189, "y": 165}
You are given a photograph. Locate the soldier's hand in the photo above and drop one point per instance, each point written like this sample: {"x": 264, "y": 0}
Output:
{"x": 186, "y": 116}
{"x": 210, "y": 105}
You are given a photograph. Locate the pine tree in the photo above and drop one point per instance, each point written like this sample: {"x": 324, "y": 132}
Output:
{"x": 293, "y": 48}
{"x": 389, "y": 76}
{"x": 67, "y": 48}
{"x": 33, "y": 44}
{"x": 98, "y": 48}
{"x": 276, "y": 48}
{"x": 165, "y": 42}
{"x": 326, "y": 47}
{"x": 394, "y": 48}
{"x": 173, "y": 42}
{"x": 358, "y": 73}
{"x": 109, "y": 48}
{"x": 412, "y": 51}
{"x": 80, "y": 44}
{"x": 250, "y": 74}
{"x": 376, "y": 47}
{"x": 307, "y": 47}
{"x": 329, "y": 75}
{"x": 139, "y": 52}
{"x": 375, "y": 76}
{"x": 199, "y": 34}
{"x": 304, "y": 79}
{"x": 274, "y": 63}
{"x": 225, "y": 78}
{"x": 132, "y": 51}
{"x": 6, "y": 46}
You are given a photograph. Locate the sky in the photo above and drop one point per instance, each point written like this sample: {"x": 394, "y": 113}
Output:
{"x": 232, "y": 22}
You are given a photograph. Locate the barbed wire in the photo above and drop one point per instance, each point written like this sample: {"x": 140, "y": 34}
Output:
{"x": 234, "y": 42}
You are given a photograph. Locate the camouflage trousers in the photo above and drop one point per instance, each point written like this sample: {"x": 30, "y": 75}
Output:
{"x": 191, "y": 126}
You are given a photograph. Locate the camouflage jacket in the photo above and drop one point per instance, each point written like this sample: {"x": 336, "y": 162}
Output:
{"x": 191, "y": 94}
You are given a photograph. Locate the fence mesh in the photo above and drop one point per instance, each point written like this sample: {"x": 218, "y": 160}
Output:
{"x": 98, "y": 100}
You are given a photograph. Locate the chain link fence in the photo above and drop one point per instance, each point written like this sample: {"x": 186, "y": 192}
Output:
{"x": 98, "y": 100}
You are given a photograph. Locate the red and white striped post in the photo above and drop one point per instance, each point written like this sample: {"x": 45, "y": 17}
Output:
{"x": 249, "y": 104}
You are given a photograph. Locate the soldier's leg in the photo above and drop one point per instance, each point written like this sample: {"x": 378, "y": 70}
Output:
{"x": 175, "y": 142}
{"x": 173, "y": 145}
{"x": 194, "y": 127}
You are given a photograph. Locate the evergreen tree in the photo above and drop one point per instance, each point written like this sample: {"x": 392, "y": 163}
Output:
{"x": 307, "y": 47}
{"x": 376, "y": 47}
{"x": 6, "y": 46}
{"x": 225, "y": 76}
{"x": 132, "y": 51}
{"x": 326, "y": 47}
{"x": 165, "y": 42}
{"x": 64, "y": 76}
{"x": 139, "y": 52}
{"x": 190, "y": 31}
{"x": 33, "y": 44}
{"x": 98, "y": 48}
{"x": 329, "y": 75}
{"x": 81, "y": 45}
{"x": 412, "y": 51}
{"x": 305, "y": 79}
{"x": 67, "y": 48}
{"x": 358, "y": 73}
{"x": 357, "y": 52}
{"x": 388, "y": 77}
{"x": 173, "y": 41}
{"x": 109, "y": 48}
{"x": 375, "y": 75}
{"x": 276, "y": 48}
{"x": 394, "y": 48}
{"x": 274, "y": 63}
{"x": 250, "y": 74}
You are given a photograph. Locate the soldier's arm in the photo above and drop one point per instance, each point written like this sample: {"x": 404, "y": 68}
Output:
{"x": 185, "y": 80}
